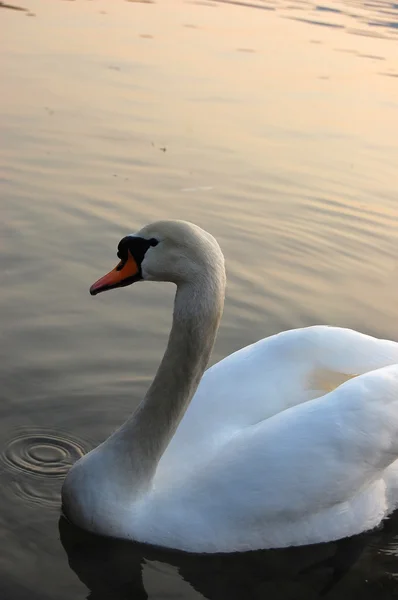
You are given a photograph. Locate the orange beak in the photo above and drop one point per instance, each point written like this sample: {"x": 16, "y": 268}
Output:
{"x": 125, "y": 273}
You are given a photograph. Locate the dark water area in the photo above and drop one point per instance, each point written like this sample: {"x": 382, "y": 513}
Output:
{"x": 274, "y": 125}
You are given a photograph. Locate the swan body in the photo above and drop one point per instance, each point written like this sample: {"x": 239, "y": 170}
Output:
{"x": 290, "y": 441}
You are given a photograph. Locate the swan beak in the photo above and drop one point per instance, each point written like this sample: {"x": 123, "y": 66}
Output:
{"x": 125, "y": 273}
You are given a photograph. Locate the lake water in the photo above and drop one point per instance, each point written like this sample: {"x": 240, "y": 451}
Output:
{"x": 274, "y": 125}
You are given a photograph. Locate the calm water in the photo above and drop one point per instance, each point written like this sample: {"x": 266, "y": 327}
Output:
{"x": 274, "y": 125}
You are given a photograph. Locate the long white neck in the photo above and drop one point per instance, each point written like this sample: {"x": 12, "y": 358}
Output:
{"x": 142, "y": 440}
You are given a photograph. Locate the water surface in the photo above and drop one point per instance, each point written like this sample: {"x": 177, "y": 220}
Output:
{"x": 274, "y": 125}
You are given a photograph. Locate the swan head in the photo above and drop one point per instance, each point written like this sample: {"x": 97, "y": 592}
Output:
{"x": 175, "y": 251}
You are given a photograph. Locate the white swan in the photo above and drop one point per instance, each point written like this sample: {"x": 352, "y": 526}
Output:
{"x": 265, "y": 455}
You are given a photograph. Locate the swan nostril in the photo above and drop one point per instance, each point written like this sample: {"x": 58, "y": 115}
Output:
{"x": 121, "y": 264}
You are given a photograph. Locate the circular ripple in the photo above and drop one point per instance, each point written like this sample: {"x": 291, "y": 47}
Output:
{"x": 42, "y": 454}
{"x": 46, "y": 494}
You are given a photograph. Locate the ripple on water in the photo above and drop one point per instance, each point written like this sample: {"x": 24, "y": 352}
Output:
{"x": 37, "y": 493}
{"x": 40, "y": 455}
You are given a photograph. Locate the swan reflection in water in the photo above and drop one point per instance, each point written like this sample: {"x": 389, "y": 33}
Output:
{"x": 122, "y": 570}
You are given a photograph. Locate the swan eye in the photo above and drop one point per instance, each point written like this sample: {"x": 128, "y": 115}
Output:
{"x": 153, "y": 242}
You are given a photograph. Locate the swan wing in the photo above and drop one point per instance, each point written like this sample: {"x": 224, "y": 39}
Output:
{"x": 266, "y": 378}
{"x": 319, "y": 471}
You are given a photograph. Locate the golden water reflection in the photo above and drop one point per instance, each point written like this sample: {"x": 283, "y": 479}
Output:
{"x": 278, "y": 135}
